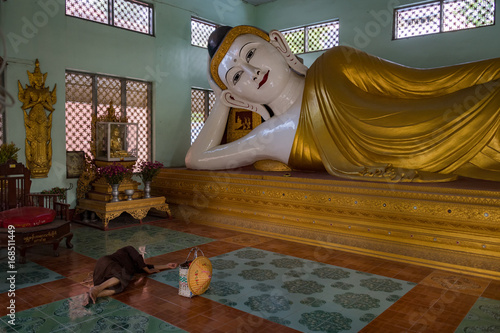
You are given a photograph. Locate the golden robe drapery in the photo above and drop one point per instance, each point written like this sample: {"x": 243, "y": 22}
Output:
{"x": 363, "y": 116}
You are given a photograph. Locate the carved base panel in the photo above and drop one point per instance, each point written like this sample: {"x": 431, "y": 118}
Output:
{"x": 107, "y": 211}
{"x": 101, "y": 185}
{"x": 454, "y": 226}
{"x": 139, "y": 194}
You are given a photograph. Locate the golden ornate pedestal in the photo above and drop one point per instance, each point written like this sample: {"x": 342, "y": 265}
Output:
{"x": 102, "y": 190}
{"x": 99, "y": 199}
{"x": 453, "y": 226}
{"x": 109, "y": 210}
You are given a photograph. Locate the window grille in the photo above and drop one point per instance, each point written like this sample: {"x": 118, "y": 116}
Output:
{"x": 138, "y": 110}
{"x": 127, "y": 14}
{"x": 95, "y": 10}
{"x": 443, "y": 16}
{"x": 296, "y": 40}
{"x": 200, "y": 31}
{"x": 133, "y": 16}
{"x": 311, "y": 38}
{"x": 202, "y": 102}
{"x": 467, "y": 14}
{"x": 88, "y": 94}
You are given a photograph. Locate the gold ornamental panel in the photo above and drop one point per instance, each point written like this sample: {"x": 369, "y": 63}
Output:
{"x": 434, "y": 226}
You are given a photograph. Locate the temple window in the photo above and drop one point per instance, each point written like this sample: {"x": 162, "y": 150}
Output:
{"x": 91, "y": 94}
{"x": 200, "y": 31}
{"x": 442, "y": 16}
{"x": 311, "y": 38}
{"x": 202, "y": 102}
{"x": 126, "y": 14}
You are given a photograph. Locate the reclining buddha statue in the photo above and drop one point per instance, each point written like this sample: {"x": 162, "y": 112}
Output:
{"x": 352, "y": 114}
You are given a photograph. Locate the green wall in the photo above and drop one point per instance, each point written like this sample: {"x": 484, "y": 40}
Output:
{"x": 40, "y": 29}
{"x": 367, "y": 25}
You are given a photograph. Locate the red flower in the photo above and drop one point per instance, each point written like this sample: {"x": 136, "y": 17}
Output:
{"x": 148, "y": 170}
{"x": 114, "y": 173}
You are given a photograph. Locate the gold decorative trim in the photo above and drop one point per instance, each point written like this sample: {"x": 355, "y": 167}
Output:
{"x": 109, "y": 210}
{"x": 438, "y": 226}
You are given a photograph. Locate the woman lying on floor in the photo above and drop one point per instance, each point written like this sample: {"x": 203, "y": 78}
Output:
{"x": 113, "y": 273}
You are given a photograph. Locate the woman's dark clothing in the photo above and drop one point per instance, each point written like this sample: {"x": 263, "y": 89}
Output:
{"x": 122, "y": 264}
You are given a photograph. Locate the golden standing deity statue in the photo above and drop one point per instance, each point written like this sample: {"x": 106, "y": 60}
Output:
{"x": 38, "y": 99}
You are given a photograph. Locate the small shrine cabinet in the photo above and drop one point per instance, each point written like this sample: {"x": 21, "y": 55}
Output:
{"x": 116, "y": 141}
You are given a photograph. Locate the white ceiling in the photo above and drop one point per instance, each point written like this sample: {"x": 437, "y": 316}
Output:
{"x": 257, "y": 2}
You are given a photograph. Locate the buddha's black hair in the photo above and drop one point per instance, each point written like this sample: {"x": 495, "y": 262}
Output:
{"x": 216, "y": 38}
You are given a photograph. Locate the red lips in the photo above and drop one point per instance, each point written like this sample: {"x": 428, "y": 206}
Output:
{"x": 264, "y": 80}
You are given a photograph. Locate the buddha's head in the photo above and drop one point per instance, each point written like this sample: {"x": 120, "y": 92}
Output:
{"x": 244, "y": 62}
{"x": 116, "y": 132}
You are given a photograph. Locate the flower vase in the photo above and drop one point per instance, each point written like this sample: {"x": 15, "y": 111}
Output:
{"x": 147, "y": 189}
{"x": 115, "y": 192}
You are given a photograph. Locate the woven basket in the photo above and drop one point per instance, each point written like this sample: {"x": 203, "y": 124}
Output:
{"x": 194, "y": 275}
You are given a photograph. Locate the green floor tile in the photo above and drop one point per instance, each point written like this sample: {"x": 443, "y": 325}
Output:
{"x": 26, "y": 275}
{"x": 484, "y": 316}
{"x": 68, "y": 315}
{"x": 154, "y": 240}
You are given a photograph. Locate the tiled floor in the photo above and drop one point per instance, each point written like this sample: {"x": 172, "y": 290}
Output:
{"x": 259, "y": 284}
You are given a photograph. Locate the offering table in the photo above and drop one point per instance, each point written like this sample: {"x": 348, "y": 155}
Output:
{"x": 138, "y": 208}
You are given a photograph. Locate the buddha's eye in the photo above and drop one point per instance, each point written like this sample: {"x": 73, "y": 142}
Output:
{"x": 250, "y": 54}
{"x": 237, "y": 77}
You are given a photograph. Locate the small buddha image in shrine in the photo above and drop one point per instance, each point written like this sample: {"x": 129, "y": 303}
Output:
{"x": 243, "y": 120}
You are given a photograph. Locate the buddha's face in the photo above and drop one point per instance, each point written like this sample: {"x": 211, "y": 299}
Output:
{"x": 253, "y": 69}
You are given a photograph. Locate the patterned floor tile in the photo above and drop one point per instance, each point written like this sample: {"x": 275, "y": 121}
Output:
{"x": 151, "y": 240}
{"x": 68, "y": 315}
{"x": 305, "y": 295}
{"x": 483, "y": 317}
{"x": 27, "y": 274}
{"x": 31, "y": 320}
{"x": 298, "y": 293}
{"x": 464, "y": 284}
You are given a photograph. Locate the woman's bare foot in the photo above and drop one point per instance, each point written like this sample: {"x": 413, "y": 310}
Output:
{"x": 86, "y": 299}
{"x": 93, "y": 294}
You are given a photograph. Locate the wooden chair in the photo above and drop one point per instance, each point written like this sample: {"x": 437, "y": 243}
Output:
{"x": 52, "y": 201}
{"x": 15, "y": 197}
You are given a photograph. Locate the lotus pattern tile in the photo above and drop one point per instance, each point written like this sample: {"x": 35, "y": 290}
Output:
{"x": 484, "y": 316}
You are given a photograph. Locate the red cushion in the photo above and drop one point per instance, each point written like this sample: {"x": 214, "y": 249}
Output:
{"x": 26, "y": 217}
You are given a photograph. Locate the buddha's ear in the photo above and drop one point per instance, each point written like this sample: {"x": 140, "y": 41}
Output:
{"x": 232, "y": 101}
{"x": 280, "y": 43}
